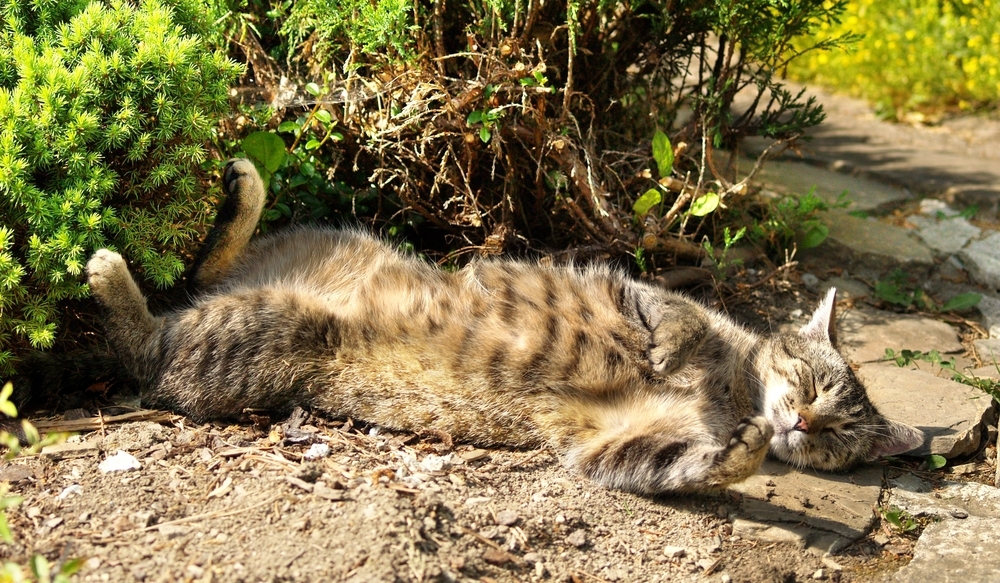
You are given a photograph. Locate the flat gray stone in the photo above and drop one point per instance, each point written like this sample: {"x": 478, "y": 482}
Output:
{"x": 946, "y": 500}
{"x": 789, "y": 177}
{"x": 982, "y": 259}
{"x": 870, "y": 247}
{"x": 865, "y": 334}
{"x": 989, "y": 307}
{"x": 817, "y": 510}
{"x": 988, "y": 348}
{"x": 950, "y": 414}
{"x": 847, "y": 288}
{"x": 959, "y": 551}
{"x": 948, "y": 236}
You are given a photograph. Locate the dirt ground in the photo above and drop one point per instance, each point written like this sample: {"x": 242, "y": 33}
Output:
{"x": 238, "y": 503}
{"x": 221, "y": 502}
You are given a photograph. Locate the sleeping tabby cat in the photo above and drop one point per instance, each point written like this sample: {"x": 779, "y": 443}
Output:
{"x": 637, "y": 387}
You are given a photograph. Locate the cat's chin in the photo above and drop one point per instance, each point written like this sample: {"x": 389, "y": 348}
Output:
{"x": 785, "y": 444}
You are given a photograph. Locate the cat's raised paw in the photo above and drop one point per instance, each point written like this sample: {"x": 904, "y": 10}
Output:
{"x": 753, "y": 432}
{"x": 105, "y": 270}
{"x": 239, "y": 176}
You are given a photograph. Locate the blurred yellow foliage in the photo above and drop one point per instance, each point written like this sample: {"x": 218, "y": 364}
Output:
{"x": 915, "y": 55}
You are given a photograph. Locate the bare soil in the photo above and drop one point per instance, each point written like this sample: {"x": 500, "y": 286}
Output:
{"x": 237, "y": 503}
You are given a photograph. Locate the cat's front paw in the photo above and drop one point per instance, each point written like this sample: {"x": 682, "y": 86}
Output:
{"x": 106, "y": 271}
{"x": 753, "y": 433}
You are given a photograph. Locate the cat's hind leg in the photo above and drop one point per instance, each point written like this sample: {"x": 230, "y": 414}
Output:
{"x": 235, "y": 223}
{"x": 128, "y": 324}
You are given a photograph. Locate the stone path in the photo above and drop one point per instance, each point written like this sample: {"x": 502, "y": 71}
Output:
{"x": 926, "y": 176}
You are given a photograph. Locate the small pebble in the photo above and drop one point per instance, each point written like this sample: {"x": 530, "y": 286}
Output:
{"x": 810, "y": 280}
{"x": 317, "y": 451}
{"x": 819, "y": 574}
{"x": 726, "y": 578}
{"x": 577, "y": 538}
{"x": 959, "y": 513}
{"x": 532, "y": 558}
{"x": 122, "y": 461}
{"x": 507, "y": 518}
{"x": 674, "y": 552}
{"x": 831, "y": 564}
{"x": 70, "y": 490}
{"x": 880, "y": 539}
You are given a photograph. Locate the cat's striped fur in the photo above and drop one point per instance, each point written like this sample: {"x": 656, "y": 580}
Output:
{"x": 637, "y": 387}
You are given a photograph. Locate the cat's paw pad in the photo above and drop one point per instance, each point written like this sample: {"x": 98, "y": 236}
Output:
{"x": 105, "y": 270}
{"x": 753, "y": 432}
{"x": 240, "y": 175}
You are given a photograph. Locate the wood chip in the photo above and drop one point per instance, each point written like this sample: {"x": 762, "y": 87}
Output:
{"x": 495, "y": 557}
{"x": 327, "y": 493}
{"x": 476, "y": 454}
{"x": 64, "y": 451}
{"x": 298, "y": 483}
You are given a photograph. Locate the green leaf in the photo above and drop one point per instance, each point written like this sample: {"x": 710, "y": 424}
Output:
{"x": 288, "y": 127}
{"x": 935, "y": 462}
{"x": 705, "y": 204}
{"x": 266, "y": 148}
{"x": 313, "y": 89}
{"x": 646, "y": 202}
{"x": 323, "y": 116}
{"x": 663, "y": 153}
{"x": 961, "y": 302}
{"x": 8, "y": 408}
{"x": 485, "y": 135}
{"x": 5, "y": 535}
{"x": 39, "y": 568}
{"x": 474, "y": 117}
{"x": 312, "y": 144}
{"x": 71, "y": 566}
{"x": 813, "y": 234}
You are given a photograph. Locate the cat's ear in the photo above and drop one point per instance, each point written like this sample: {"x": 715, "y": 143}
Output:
{"x": 822, "y": 326}
{"x": 895, "y": 438}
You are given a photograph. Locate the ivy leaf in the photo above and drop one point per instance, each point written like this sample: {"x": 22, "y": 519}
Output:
{"x": 646, "y": 202}
{"x": 705, "y": 204}
{"x": 323, "y": 115}
{"x": 936, "y": 462}
{"x": 961, "y": 302}
{"x": 266, "y": 148}
{"x": 663, "y": 153}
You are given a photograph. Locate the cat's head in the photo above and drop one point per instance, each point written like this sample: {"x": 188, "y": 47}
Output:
{"x": 820, "y": 411}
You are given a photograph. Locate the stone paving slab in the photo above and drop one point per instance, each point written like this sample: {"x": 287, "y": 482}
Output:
{"x": 955, "y": 551}
{"x": 798, "y": 178}
{"x": 865, "y": 334}
{"x": 982, "y": 259}
{"x": 870, "y": 247}
{"x": 958, "y": 163}
{"x": 945, "y": 501}
{"x": 816, "y": 510}
{"x": 951, "y": 415}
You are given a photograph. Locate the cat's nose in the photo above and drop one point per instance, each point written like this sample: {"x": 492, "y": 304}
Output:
{"x": 801, "y": 425}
